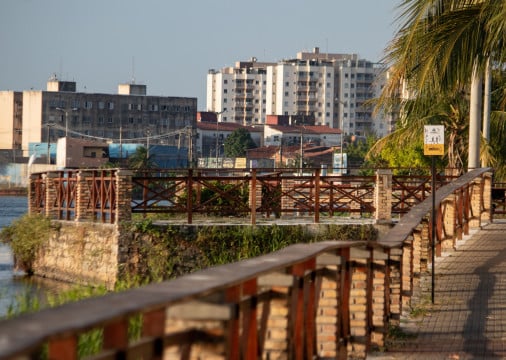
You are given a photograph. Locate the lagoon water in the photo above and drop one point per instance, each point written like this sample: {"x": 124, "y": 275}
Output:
{"x": 16, "y": 284}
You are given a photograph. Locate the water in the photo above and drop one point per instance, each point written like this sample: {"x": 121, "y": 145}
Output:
{"x": 15, "y": 284}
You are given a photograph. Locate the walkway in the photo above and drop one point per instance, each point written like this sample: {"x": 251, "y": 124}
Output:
{"x": 468, "y": 319}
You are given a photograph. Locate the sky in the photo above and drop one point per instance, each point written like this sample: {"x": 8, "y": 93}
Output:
{"x": 170, "y": 45}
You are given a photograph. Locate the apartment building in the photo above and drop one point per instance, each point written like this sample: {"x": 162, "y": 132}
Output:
{"x": 238, "y": 94}
{"x": 333, "y": 88}
{"x": 129, "y": 116}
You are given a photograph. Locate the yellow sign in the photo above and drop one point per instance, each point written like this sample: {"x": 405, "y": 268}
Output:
{"x": 433, "y": 149}
{"x": 433, "y": 140}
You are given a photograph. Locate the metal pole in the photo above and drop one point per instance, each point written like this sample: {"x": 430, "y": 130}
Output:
{"x": 66, "y": 123}
{"x": 341, "y": 172}
{"x": 301, "y": 152}
{"x": 216, "y": 150}
{"x": 433, "y": 218}
{"x": 48, "y": 146}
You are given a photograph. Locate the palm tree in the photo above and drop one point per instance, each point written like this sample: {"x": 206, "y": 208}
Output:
{"x": 442, "y": 47}
{"x": 141, "y": 159}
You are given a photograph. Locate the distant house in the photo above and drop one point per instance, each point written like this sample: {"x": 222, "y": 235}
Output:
{"x": 289, "y": 156}
{"x": 211, "y": 134}
{"x": 320, "y": 135}
{"x": 80, "y": 153}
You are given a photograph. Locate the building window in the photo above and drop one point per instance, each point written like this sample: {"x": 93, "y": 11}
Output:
{"x": 88, "y": 105}
{"x": 225, "y": 91}
{"x": 101, "y": 105}
{"x": 100, "y": 120}
{"x": 110, "y": 105}
{"x": 109, "y": 120}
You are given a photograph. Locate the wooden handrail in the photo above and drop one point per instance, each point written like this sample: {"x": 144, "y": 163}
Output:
{"x": 404, "y": 228}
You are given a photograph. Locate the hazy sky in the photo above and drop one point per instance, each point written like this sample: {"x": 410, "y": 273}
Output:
{"x": 170, "y": 45}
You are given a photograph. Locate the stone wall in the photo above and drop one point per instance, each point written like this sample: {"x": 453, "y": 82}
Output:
{"x": 81, "y": 253}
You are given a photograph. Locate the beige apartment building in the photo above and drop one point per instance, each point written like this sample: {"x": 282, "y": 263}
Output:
{"x": 129, "y": 116}
{"x": 333, "y": 88}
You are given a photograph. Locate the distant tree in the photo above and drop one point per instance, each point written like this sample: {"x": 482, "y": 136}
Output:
{"x": 140, "y": 160}
{"x": 238, "y": 142}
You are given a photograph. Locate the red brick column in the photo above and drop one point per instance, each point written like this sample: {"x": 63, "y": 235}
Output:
{"x": 379, "y": 305}
{"x": 449, "y": 222}
{"x": 83, "y": 195}
{"x": 51, "y": 195}
{"x": 394, "y": 282}
{"x": 123, "y": 195}
{"x": 33, "y": 187}
{"x": 486, "y": 215}
{"x": 383, "y": 196}
{"x": 360, "y": 295}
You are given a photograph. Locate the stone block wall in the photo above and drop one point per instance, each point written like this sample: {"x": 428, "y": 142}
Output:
{"x": 81, "y": 253}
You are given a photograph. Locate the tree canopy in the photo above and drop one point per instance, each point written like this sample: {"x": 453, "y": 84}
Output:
{"x": 436, "y": 55}
{"x": 238, "y": 142}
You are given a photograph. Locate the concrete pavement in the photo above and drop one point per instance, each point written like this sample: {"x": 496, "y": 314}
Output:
{"x": 468, "y": 317}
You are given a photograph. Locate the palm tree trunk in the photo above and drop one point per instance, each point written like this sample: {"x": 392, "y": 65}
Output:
{"x": 475, "y": 120}
{"x": 486, "y": 106}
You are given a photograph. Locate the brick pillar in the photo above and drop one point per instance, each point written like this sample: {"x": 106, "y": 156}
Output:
{"x": 123, "y": 195}
{"x": 329, "y": 314}
{"x": 378, "y": 296}
{"x": 383, "y": 196}
{"x": 394, "y": 280}
{"x": 476, "y": 193}
{"x": 286, "y": 202}
{"x": 51, "y": 196}
{"x": 449, "y": 222}
{"x": 33, "y": 188}
{"x": 255, "y": 196}
{"x": 83, "y": 197}
{"x": 359, "y": 296}
{"x": 486, "y": 215}
{"x": 406, "y": 273}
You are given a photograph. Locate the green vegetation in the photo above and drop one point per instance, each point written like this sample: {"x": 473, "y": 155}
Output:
{"x": 238, "y": 142}
{"x": 441, "y": 50}
{"x": 171, "y": 251}
{"x": 25, "y": 236}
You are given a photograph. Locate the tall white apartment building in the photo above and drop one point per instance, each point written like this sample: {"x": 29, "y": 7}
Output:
{"x": 332, "y": 88}
{"x": 238, "y": 94}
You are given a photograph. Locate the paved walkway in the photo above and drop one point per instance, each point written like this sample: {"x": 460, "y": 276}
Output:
{"x": 468, "y": 317}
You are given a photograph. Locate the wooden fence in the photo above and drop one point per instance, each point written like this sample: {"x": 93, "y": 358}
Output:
{"x": 99, "y": 195}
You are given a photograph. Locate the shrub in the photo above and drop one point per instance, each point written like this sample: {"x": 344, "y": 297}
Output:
{"x": 25, "y": 236}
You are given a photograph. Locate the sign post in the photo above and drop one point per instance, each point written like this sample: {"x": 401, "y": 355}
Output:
{"x": 433, "y": 145}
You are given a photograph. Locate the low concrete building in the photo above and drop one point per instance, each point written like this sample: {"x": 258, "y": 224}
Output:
{"x": 79, "y": 153}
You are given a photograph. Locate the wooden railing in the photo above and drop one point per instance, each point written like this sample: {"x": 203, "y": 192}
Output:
{"x": 96, "y": 194}
{"x": 322, "y": 300}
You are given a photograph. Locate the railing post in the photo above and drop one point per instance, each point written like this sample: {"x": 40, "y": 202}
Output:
{"x": 34, "y": 188}
{"x": 52, "y": 210}
{"x": 486, "y": 214}
{"x": 476, "y": 202}
{"x": 449, "y": 222}
{"x": 253, "y": 196}
{"x": 395, "y": 285}
{"x": 378, "y": 303}
{"x": 123, "y": 196}
{"x": 83, "y": 195}
{"x": 189, "y": 196}
{"x": 317, "y": 197}
{"x": 383, "y": 196}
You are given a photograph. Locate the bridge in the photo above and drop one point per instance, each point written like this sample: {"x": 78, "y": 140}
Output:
{"x": 333, "y": 299}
